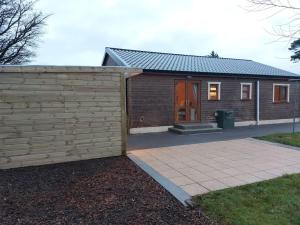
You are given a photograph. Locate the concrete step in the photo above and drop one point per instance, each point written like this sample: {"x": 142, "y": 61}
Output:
{"x": 194, "y": 131}
{"x": 188, "y": 126}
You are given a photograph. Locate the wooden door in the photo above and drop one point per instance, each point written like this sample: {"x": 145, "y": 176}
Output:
{"x": 187, "y": 101}
{"x": 193, "y": 101}
{"x": 180, "y": 101}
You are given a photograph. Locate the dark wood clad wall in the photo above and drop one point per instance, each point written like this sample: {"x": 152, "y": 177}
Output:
{"x": 230, "y": 99}
{"x": 151, "y": 100}
{"x": 272, "y": 111}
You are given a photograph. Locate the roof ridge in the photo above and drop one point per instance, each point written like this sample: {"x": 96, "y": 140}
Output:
{"x": 168, "y": 53}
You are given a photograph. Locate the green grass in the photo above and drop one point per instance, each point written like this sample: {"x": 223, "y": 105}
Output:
{"x": 287, "y": 139}
{"x": 273, "y": 202}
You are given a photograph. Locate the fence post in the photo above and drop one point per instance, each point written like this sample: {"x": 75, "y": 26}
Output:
{"x": 123, "y": 113}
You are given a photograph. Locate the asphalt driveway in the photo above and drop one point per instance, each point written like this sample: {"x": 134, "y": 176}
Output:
{"x": 164, "y": 139}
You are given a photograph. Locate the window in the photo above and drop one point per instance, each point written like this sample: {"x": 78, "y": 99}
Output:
{"x": 214, "y": 90}
{"x": 246, "y": 91}
{"x": 281, "y": 92}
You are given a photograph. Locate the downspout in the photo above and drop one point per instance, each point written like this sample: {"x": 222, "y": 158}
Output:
{"x": 257, "y": 102}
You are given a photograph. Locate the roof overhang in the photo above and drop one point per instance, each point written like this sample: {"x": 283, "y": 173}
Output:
{"x": 189, "y": 73}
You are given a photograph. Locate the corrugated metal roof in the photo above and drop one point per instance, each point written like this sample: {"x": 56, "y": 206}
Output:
{"x": 157, "y": 61}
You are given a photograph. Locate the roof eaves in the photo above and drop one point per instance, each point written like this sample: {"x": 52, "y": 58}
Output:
{"x": 220, "y": 74}
{"x": 283, "y": 71}
{"x": 116, "y": 57}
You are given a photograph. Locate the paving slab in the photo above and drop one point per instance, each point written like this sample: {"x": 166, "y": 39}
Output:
{"x": 200, "y": 168}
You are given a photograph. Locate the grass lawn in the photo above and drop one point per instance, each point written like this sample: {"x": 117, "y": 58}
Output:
{"x": 273, "y": 202}
{"x": 288, "y": 139}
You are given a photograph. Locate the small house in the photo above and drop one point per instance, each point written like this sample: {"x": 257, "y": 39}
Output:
{"x": 177, "y": 88}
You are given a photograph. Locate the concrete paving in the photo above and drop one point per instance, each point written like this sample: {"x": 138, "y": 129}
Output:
{"x": 155, "y": 140}
{"x": 203, "y": 167}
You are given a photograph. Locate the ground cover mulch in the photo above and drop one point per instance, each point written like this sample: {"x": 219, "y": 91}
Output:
{"x": 101, "y": 191}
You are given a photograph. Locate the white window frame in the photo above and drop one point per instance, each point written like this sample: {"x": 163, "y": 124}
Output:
{"x": 250, "y": 94}
{"x": 219, "y": 90}
{"x": 288, "y": 91}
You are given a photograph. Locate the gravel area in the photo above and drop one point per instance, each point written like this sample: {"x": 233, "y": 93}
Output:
{"x": 102, "y": 191}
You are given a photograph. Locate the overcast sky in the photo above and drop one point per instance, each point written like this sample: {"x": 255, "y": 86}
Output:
{"x": 79, "y": 30}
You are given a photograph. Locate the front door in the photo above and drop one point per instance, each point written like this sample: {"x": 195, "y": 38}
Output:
{"x": 187, "y": 101}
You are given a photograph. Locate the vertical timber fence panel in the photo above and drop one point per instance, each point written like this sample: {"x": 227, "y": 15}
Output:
{"x": 59, "y": 114}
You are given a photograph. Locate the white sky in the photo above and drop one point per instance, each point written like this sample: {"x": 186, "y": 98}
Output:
{"x": 79, "y": 30}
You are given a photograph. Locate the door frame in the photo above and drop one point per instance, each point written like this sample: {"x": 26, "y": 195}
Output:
{"x": 186, "y": 100}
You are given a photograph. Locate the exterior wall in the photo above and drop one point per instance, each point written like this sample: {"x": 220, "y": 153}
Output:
{"x": 270, "y": 110}
{"x": 59, "y": 114}
{"x": 151, "y": 99}
{"x": 230, "y": 99}
{"x": 108, "y": 61}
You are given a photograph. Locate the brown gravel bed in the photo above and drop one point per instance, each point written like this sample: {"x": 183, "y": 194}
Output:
{"x": 102, "y": 191}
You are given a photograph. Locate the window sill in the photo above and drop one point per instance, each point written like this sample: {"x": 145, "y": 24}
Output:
{"x": 246, "y": 100}
{"x": 284, "y": 102}
{"x": 213, "y": 100}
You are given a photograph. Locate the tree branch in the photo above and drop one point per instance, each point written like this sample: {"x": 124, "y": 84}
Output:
{"x": 269, "y": 4}
{"x": 20, "y": 29}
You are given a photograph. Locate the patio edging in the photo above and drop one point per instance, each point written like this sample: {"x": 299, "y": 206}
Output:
{"x": 172, "y": 188}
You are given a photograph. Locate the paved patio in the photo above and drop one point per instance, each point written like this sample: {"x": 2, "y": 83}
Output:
{"x": 203, "y": 167}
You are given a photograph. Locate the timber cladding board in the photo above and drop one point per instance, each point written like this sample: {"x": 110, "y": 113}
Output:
{"x": 58, "y": 114}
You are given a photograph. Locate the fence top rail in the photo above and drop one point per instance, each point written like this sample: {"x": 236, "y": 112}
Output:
{"x": 127, "y": 71}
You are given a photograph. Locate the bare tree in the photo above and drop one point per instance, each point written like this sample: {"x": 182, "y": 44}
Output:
{"x": 289, "y": 29}
{"x": 20, "y": 29}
